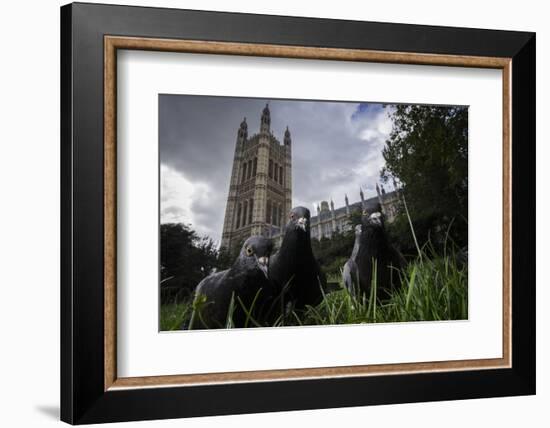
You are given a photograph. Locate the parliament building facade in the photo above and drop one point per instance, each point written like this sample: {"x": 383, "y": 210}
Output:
{"x": 260, "y": 191}
{"x": 330, "y": 220}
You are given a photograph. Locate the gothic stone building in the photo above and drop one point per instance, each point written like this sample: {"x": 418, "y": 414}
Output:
{"x": 330, "y": 220}
{"x": 260, "y": 190}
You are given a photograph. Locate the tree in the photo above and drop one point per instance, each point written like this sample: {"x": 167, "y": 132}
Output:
{"x": 355, "y": 219}
{"x": 331, "y": 254}
{"x": 227, "y": 256}
{"x": 185, "y": 259}
{"x": 427, "y": 152}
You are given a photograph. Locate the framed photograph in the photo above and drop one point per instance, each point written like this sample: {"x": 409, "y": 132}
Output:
{"x": 267, "y": 213}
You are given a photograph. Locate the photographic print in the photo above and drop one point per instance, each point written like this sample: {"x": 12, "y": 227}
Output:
{"x": 283, "y": 212}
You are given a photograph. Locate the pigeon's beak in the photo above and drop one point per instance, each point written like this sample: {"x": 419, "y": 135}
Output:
{"x": 302, "y": 223}
{"x": 263, "y": 264}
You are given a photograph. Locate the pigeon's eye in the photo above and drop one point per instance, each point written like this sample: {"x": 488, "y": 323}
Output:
{"x": 291, "y": 216}
{"x": 249, "y": 251}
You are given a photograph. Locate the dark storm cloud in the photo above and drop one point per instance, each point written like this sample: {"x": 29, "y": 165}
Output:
{"x": 336, "y": 147}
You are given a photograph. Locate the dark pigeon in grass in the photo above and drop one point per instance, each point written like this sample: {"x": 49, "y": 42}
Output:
{"x": 372, "y": 246}
{"x": 294, "y": 270}
{"x": 243, "y": 286}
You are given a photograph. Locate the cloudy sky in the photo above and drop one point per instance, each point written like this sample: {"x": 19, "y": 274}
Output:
{"x": 336, "y": 148}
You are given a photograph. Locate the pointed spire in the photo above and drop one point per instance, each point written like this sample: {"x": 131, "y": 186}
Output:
{"x": 243, "y": 130}
{"x": 287, "y": 139}
{"x": 377, "y": 189}
{"x": 346, "y": 198}
{"x": 266, "y": 119}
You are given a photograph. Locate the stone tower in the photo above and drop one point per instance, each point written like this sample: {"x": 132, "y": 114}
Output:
{"x": 260, "y": 189}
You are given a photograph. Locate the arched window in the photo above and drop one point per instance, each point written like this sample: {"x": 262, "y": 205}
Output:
{"x": 255, "y": 167}
{"x": 276, "y": 172}
{"x": 281, "y": 174}
{"x": 238, "y": 223}
{"x": 244, "y": 173}
{"x": 245, "y": 212}
{"x": 270, "y": 173}
{"x": 274, "y": 214}
{"x": 268, "y": 213}
{"x": 249, "y": 169}
{"x": 250, "y": 210}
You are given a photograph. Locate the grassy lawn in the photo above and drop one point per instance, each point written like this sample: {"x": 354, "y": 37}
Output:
{"x": 433, "y": 289}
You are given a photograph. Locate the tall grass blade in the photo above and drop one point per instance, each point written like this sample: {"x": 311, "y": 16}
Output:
{"x": 410, "y": 288}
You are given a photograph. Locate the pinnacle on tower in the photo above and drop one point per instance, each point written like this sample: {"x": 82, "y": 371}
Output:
{"x": 266, "y": 119}
{"x": 288, "y": 139}
{"x": 243, "y": 130}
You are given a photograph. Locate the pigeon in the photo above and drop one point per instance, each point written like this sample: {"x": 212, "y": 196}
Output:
{"x": 372, "y": 246}
{"x": 246, "y": 284}
{"x": 294, "y": 270}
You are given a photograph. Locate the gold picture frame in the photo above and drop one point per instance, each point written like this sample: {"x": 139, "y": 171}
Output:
{"x": 114, "y": 43}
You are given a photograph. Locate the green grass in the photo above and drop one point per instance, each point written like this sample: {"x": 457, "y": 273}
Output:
{"x": 173, "y": 315}
{"x": 433, "y": 288}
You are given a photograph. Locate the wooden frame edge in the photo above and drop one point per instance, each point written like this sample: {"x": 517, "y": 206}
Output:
{"x": 507, "y": 213}
{"x": 109, "y": 197}
{"x": 301, "y": 52}
{"x": 112, "y": 43}
{"x": 300, "y": 374}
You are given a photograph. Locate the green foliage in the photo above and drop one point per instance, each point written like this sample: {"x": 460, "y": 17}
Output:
{"x": 332, "y": 253}
{"x": 427, "y": 151}
{"x": 355, "y": 218}
{"x": 185, "y": 259}
{"x": 227, "y": 256}
{"x": 434, "y": 288}
{"x": 335, "y": 265}
{"x": 182, "y": 250}
{"x": 174, "y": 315}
